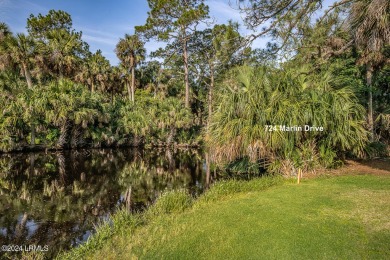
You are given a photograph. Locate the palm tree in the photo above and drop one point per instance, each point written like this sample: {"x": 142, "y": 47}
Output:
{"x": 61, "y": 50}
{"x": 116, "y": 81}
{"x": 370, "y": 24}
{"x": 130, "y": 51}
{"x": 85, "y": 76}
{"x": 101, "y": 67}
{"x": 22, "y": 50}
{"x": 5, "y": 32}
{"x": 171, "y": 115}
{"x": 95, "y": 71}
{"x": 253, "y": 98}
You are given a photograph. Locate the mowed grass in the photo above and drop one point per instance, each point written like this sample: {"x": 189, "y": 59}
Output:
{"x": 346, "y": 217}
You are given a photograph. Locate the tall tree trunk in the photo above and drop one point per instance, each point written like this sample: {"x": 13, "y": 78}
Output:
{"x": 185, "y": 57}
{"x": 208, "y": 173}
{"x": 210, "y": 94}
{"x": 27, "y": 75}
{"x": 158, "y": 83}
{"x": 132, "y": 83}
{"x": 128, "y": 89}
{"x": 92, "y": 86}
{"x": 370, "y": 117}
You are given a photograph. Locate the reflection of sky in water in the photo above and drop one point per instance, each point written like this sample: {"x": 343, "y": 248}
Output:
{"x": 3, "y": 231}
{"x": 31, "y": 227}
{"x": 84, "y": 237}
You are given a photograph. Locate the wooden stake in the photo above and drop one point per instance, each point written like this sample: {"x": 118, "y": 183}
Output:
{"x": 299, "y": 176}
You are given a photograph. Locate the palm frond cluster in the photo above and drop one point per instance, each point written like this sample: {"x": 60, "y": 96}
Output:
{"x": 253, "y": 98}
{"x": 65, "y": 114}
{"x": 56, "y": 93}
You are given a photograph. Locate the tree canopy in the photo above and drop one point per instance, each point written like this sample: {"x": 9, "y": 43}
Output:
{"x": 326, "y": 66}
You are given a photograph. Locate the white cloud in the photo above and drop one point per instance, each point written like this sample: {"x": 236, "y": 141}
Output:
{"x": 101, "y": 39}
{"x": 222, "y": 11}
{"x": 4, "y": 5}
{"x": 29, "y": 6}
{"x": 123, "y": 28}
{"x": 96, "y": 32}
{"x": 98, "y": 36}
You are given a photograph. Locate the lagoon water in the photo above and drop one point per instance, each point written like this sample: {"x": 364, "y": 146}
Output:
{"x": 55, "y": 199}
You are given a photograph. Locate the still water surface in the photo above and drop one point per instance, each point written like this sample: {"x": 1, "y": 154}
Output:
{"x": 56, "y": 198}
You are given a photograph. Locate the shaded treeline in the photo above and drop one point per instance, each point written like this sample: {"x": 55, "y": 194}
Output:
{"x": 333, "y": 72}
{"x": 56, "y": 94}
{"x": 207, "y": 86}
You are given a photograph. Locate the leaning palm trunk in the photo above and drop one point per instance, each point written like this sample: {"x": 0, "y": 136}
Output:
{"x": 27, "y": 74}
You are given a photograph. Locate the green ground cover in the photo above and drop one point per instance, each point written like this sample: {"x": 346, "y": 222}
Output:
{"x": 345, "y": 217}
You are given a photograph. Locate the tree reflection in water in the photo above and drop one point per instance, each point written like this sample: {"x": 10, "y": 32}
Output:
{"x": 56, "y": 198}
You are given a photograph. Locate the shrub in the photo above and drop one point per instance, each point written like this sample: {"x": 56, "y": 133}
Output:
{"x": 252, "y": 98}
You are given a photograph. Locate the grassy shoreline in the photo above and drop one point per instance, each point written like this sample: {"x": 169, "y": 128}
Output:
{"x": 169, "y": 203}
{"x": 337, "y": 217}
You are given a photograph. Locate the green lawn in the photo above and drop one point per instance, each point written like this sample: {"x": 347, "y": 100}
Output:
{"x": 345, "y": 217}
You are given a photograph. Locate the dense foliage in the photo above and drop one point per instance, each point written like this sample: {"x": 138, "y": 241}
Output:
{"x": 256, "y": 105}
{"x": 207, "y": 84}
{"x": 65, "y": 114}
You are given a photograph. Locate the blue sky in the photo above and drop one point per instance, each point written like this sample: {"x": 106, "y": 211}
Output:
{"x": 104, "y": 22}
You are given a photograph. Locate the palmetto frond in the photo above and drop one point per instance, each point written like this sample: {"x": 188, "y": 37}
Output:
{"x": 252, "y": 98}
{"x": 130, "y": 50}
{"x": 370, "y": 24}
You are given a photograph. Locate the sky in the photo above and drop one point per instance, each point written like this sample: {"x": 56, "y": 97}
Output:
{"x": 104, "y": 22}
